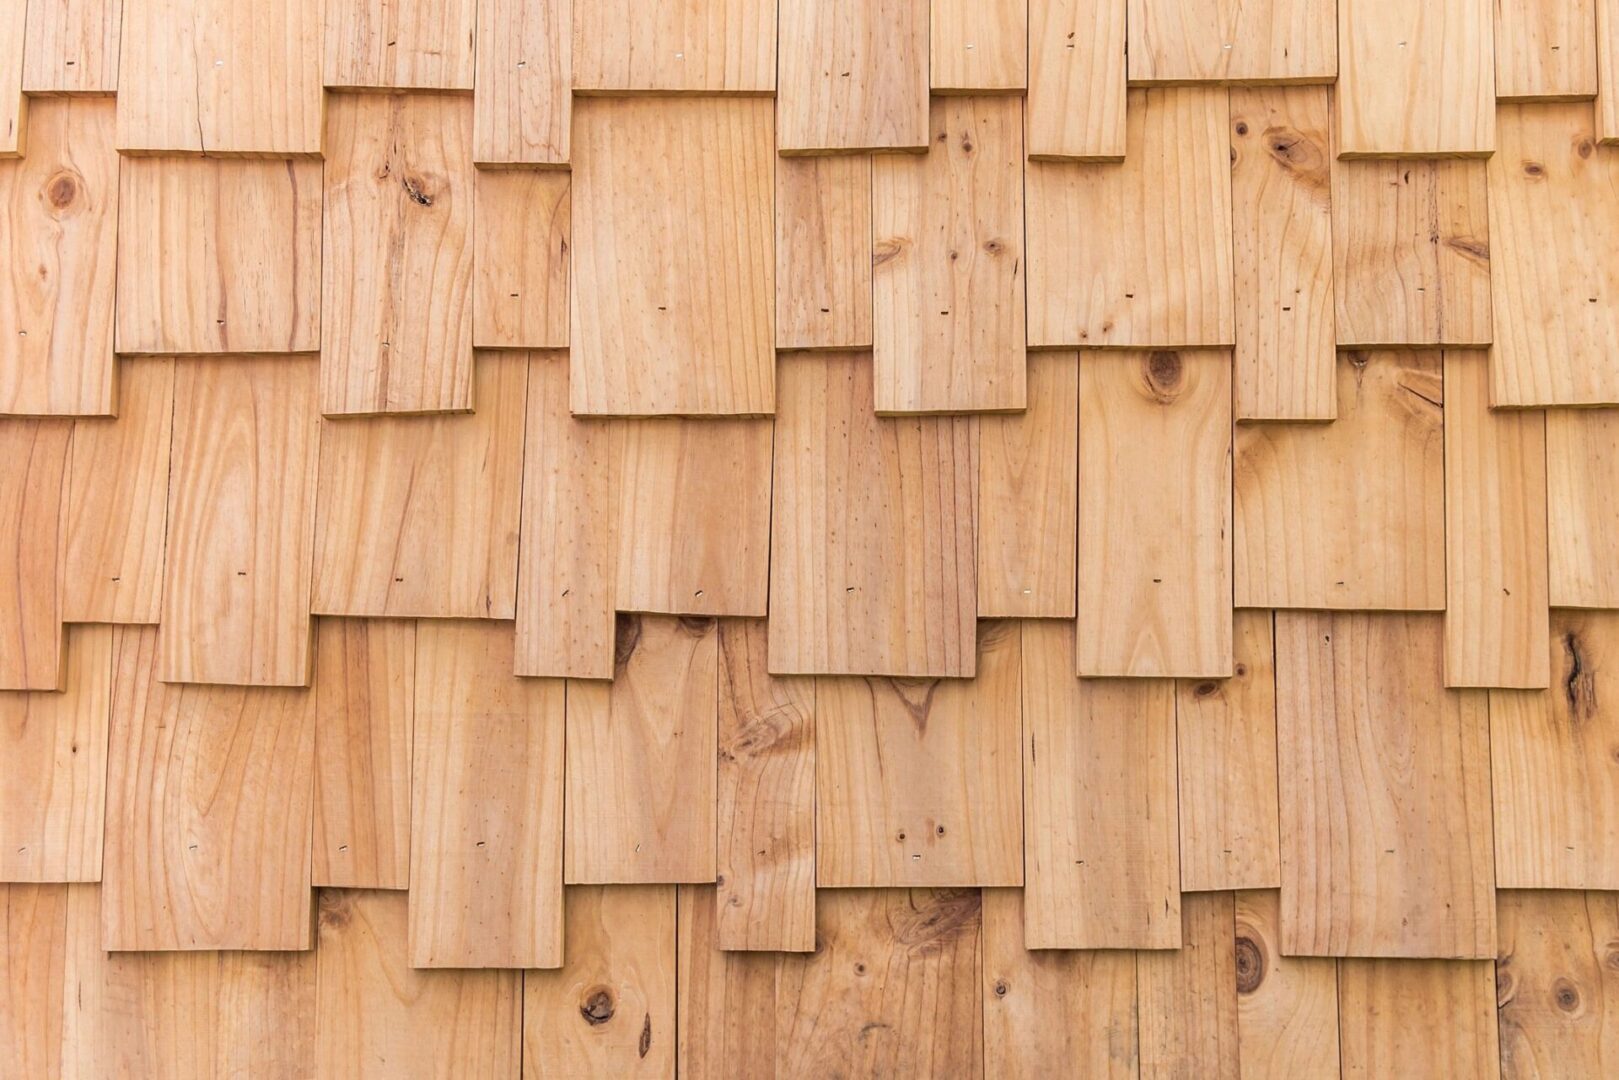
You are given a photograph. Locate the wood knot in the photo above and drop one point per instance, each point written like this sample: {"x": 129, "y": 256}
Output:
{"x": 1579, "y": 682}
{"x": 1242, "y": 127}
{"x": 626, "y": 638}
{"x": 1206, "y": 689}
{"x": 1534, "y": 169}
{"x": 1001, "y": 988}
{"x": 336, "y": 911}
{"x": 1250, "y": 965}
{"x": 1566, "y": 995}
{"x": 597, "y": 1008}
{"x": 1164, "y": 373}
{"x": 1294, "y": 152}
{"x": 62, "y": 190}
{"x": 416, "y": 188}
{"x": 1584, "y": 148}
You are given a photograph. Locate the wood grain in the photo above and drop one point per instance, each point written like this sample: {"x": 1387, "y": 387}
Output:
{"x": 398, "y": 494}
{"x": 219, "y": 256}
{"x": 1607, "y": 99}
{"x": 642, "y": 774}
{"x": 610, "y": 1010}
{"x": 1236, "y": 41}
{"x": 672, "y": 237}
{"x": 33, "y": 959}
{"x": 1188, "y": 998}
{"x": 1287, "y": 1006}
{"x": 13, "y": 105}
{"x": 725, "y": 1001}
{"x": 948, "y": 262}
{"x": 365, "y": 700}
{"x": 1555, "y": 780}
{"x": 53, "y": 768}
{"x": 522, "y": 105}
{"x": 727, "y": 46}
{"x": 1553, "y": 223}
{"x": 1350, "y": 514}
{"x": 210, "y": 795}
{"x": 1416, "y": 80}
{"x": 396, "y": 263}
{"x": 1411, "y": 253}
{"x": 1138, "y": 255}
{"x": 1281, "y": 211}
{"x": 72, "y": 47}
{"x": 1042, "y": 1007}
{"x": 31, "y": 498}
{"x": 1545, "y": 50}
{"x": 1076, "y": 101}
{"x": 242, "y": 476}
{"x": 378, "y": 1017}
{"x": 823, "y": 253}
{"x": 893, "y": 989}
{"x": 974, "y": 46}
{"x": 205, "y": 77}
{"x": 918, "y": 781}
{"x": 1098, "y": 778}
{"x": 400, "y": 44}
{"x": 1226, "y": 746}
{"x": 873, "y": 566}
{"x": 1384, "y": 783}
{"x": 1582, "y": 460}
{"x": 61, "y": 205}
{"x": 856, "y": 77}
{"x": 115, "y": 520}
{"x": 486, "y": 804}
{"x": 520, "y": 275}
{"x": 765, "y": 897}
{"x": 1028, "y": 494}
{"x": 1383, "y": 1006}
{"x": 1556, "y": 984}
{"x": 1155, "y": 514}
{"x": 1495, "y": 535}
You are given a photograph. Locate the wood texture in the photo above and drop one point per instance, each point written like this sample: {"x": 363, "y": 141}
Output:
{"x": 1238, "y": 41}
{"x": 1076, "y": 103}
{"x": 1138, "y": 255}
{"x": 1045, "y": 1007}
{"x": 1582, "y": 459}
{"x": 397, "y": 493}
{"x": 115, "y": 519}
{"x": 523, "y": 94}
{"x": 1381, "y": 1005}
{"x": 873, "y": 569}
{"x": 1098, "y": 777}
{"x": 694, "y": 517}
{"x": 1281, "y": 214}
{"x": 210, "y": 794}
{"x": 365, "y": 701}
{"x": 1495, "y": 535}
{"x": 53, "y": 768}
{"x": 856, "y": 78}
{"x": 672, "y": 237}
{"x": 33, "y": 946}
{"x": 725, "y": 1001}
{"x": 380, "y": 1018}
{"x": 218, "y": 78}
{"x": 610, "y": 1010}
{"x": 1411, "y": 253}
{"x": 61, "y": 204}
{"x": 568, "y": 544}
{"x": 13, "y": 105}
{"x": 918, "y": 781}
{"x": 1553, "y": 224}
{"x": 520, "y": 276}
{"x": 219, "y": 256}
{"x": 642, "y": 775}
{"x": 1416, "y": 80}
{"x": 1287, "y": 1006}
{"x": 1188, "y": 998}
{"x": 396, "y": 263}
{"x": 72, "y": 47}
{"x": 823, "y": 253}
{"x": 399, "y": 44}
{"x": 1545, "y": 49}
{"x": 948, "y": 262}
{"x": 1607, "y": 98}
{"x": 765, "y": 895}
{"x": 724, "y": 47}
{"x": 1155, "y": 514}
{"x": 893, "y": 990}
{"x": 1348, "y": 515}
{"x": 1226, "y": 745}
{"x": 1384, "y": 784}
{"x": 486, "y": 804}
{"x": 1556, "y": 799}
{"x": 31, "y": 497}
{"x": 978, "y": 46}
{"x": 1028, "y": 493}
{"x": 242, "y": 476}
{"x": 1555, "y": 984}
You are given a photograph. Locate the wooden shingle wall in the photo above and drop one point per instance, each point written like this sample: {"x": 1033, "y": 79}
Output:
{"x": 774, "y": 538}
